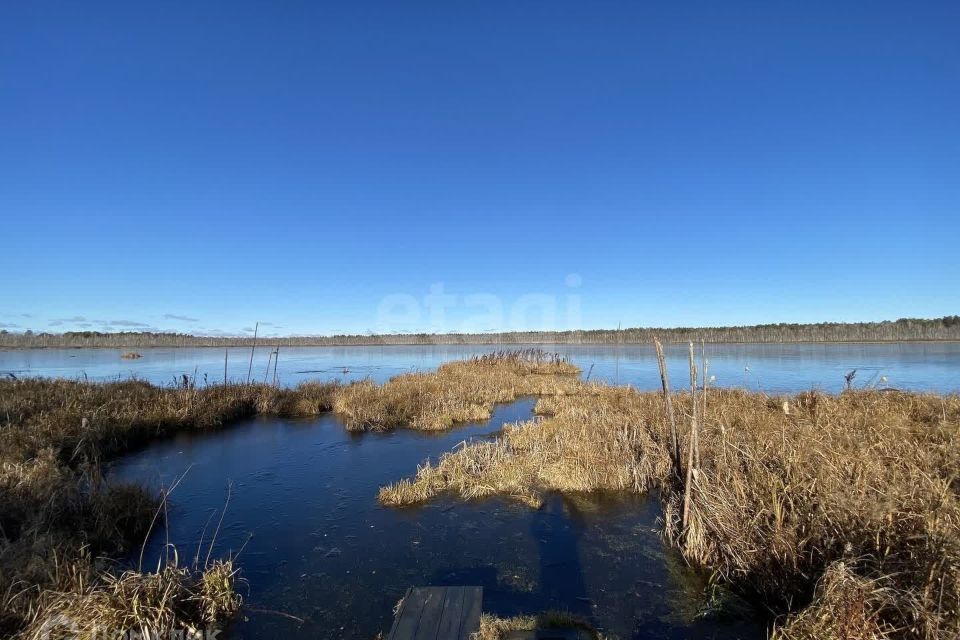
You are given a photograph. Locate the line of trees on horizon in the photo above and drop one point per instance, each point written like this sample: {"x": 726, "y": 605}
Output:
{"x": 904, "y": 329}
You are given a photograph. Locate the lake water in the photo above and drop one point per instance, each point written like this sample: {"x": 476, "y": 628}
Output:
{"x": 775, "y": 368}
{"x": 317, "y": 545}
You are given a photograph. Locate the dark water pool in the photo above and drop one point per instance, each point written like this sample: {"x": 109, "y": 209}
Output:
{"x": 316, "y": 544}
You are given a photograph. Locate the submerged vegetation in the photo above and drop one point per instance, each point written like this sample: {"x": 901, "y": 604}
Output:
{"x": 841, "y": 511}
{"x": 842, "y": 508}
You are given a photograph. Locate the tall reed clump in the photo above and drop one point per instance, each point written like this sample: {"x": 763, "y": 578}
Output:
{"x": 456, "y": 392}
{"x": 59, "y": 518}
{"x": 842, "y": 509}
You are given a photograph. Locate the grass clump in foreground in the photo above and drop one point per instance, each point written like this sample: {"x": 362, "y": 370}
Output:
{"x": 843, "y": 510}
{"x": 59, "y": 518}
{"x": 456, "y": 392}
{"x": 494, "y": 628}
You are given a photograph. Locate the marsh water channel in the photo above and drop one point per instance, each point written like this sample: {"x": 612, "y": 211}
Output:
{"x": 314, "y": 543}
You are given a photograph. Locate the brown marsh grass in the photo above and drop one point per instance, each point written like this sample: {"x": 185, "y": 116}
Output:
{"x": 849, "y": 502}
{"x": 59, "y": 518}
{"x": 494, "y": 628}
{"x": 456, "y": 392}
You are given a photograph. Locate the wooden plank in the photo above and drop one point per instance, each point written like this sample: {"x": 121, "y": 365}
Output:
{"x": 431, "y": 612}
{"x": 472, "y": 603}
{"x": 408, "y": 618}
{"x": 438, "y": 613}
{"x": 452, "y": 613}
{"x": 396, "y": 616}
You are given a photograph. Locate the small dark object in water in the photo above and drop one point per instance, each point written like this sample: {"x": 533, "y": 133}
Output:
{"x": 849, "y": 378}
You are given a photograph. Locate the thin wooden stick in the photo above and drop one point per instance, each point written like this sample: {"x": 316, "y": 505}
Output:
{"x": 276, "y": 359}
{"x": 250, "y": 368}
{"x": 617, "y": 352}
{"x": 226, "y": 353}
{"x": 693, "y": 441}
{"x": 703, "y": 396}
{"x": 668, "y": 405}
{"x": 267, "y": 372}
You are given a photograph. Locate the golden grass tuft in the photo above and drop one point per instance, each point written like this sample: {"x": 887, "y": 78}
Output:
{"x": 495, "y": 628}
{"x": 869, "y": 478}
{"x": 160, "y": 604}
{"x": 846, "y": 606}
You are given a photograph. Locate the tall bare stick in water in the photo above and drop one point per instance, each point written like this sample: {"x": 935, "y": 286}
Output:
{"x": 617, "y": 352}
{"x": 693, "y": 440}
{"x": 250, "y": 368}
{"x": 276, "y": 359}
{"x": 704, "y": 364}
{"x": 226, "y": 352}
{"x": 668, "y": 404}
{"x": 269, "y": 362}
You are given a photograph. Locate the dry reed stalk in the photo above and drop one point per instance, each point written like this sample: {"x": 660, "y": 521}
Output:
{"x": 693, "y": 454}
{"x": 668, "y": 405}
{"x": 253, "y": 347}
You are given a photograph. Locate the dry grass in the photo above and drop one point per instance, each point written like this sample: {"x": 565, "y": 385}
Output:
{"x": 494, "y": 628}
{"x": 56, "y": 510}
{"x": 457, "y": 392}
{"x": 846, "y": 606}
{"x": 786, "y": 488}
{"x": 589, "y": 445}
{"x": 164, "y": 603}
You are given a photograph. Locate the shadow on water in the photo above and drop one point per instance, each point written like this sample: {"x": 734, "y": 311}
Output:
{"x": 318, "y": 546}
{"x": 559, "y": 584}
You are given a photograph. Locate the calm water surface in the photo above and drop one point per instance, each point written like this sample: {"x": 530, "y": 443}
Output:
{"x": 776, "y": 368}
{"x": 316, "y": 545}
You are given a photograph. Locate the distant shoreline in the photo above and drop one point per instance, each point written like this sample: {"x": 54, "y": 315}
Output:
{"x": 905, "y": 330}
{"x": 506, "y": 346}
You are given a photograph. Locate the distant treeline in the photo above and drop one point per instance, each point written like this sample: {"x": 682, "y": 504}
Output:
{"x": 905, "y": 329}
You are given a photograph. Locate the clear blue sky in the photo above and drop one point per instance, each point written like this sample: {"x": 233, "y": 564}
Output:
{"x": 199, "y": 166}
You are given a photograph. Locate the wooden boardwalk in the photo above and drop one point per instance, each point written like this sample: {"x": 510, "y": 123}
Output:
{"x": 438, "y": 613}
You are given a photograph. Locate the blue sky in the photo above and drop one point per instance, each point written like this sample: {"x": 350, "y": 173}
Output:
{"x": 199, "y": 166}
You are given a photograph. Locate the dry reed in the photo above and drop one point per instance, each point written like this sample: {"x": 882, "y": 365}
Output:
{"x": 786, "y": 488}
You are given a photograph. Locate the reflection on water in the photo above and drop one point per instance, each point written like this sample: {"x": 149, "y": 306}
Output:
{"x": 774, "y": 368}
{"x": 316, "y": 545}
